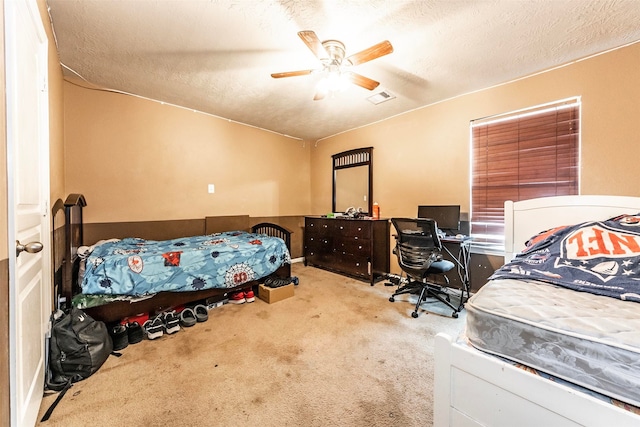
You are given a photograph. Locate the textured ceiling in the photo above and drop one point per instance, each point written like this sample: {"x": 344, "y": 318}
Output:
{"x": 216, "y": 56}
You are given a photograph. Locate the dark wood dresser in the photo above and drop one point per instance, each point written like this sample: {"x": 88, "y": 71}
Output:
{"x": 355, "y": 247}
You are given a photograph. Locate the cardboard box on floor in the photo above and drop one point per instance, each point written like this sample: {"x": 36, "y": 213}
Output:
{"x": 272, "y": 295}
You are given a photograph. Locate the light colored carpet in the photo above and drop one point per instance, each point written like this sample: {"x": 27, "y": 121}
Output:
{"x": 338, "y": 353}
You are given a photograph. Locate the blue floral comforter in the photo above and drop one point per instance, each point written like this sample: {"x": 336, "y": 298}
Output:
{"x": 139, "y": 267}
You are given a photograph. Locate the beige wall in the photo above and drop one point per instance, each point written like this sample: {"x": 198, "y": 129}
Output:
{"x": 56, "y": 113}
{"x": 423, "y": 157}
{"x": 139, "y": 160}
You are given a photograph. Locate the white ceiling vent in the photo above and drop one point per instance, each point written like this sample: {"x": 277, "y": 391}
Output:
{"x": 381, "y": 97}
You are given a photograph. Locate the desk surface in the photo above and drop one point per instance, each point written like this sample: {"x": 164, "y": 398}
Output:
{"x": 454, "y": 239}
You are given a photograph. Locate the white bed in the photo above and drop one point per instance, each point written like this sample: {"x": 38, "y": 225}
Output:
{"x": 474, "y": 388}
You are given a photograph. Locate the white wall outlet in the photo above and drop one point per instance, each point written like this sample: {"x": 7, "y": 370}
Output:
{"x": 211, "y": 188}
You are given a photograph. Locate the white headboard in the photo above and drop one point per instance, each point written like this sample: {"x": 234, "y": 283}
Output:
{"x": 526, "y": 218}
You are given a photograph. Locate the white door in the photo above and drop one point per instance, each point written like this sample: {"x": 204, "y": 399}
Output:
{"x": 28, "y": 195}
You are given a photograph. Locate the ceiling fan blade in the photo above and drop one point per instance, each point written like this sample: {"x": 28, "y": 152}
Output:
{"x": 376, "y": 51}
{"x": 313, "y": 43}
{"x": 361, "y": 81}
{"x": 291, "y": 74}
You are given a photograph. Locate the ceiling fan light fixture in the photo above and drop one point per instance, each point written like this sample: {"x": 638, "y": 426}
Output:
{"x": 331, "y": 54}
{"x": 333, "y": 81}
{"x": 335, "y": 50}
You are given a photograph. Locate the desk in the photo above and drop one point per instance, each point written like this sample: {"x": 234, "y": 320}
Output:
{"x": 462, "y": 260}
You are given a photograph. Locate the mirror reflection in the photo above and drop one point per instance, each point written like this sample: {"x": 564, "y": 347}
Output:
{"x": 352, "y": 188}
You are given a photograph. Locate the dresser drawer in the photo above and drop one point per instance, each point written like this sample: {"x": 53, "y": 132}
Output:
{"x": 354, "y": 265}
{"x": 315, "y": 258}
{"x": 354, "y": 228}
{"x": 318, "y": 226}
{"x": 353, "y": 246}
{"x": 318, "y": 241}
{"x": 318, "y": 245}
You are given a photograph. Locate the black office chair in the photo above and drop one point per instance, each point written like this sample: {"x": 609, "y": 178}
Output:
{"x": 418, "y": 249}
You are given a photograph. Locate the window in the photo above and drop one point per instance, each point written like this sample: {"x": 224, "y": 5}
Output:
{"x": 519, "y": 156}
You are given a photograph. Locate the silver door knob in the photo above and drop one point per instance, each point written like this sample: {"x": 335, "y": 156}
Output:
{"x": 32, "y": 247}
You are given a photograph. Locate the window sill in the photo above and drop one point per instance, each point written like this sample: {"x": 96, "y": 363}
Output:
{"x": 492, "y": 250}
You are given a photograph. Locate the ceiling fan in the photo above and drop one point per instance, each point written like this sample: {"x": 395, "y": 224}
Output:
{"x": 331, "y": 54}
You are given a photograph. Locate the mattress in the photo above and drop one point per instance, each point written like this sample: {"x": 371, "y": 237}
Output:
{"x": 589, "y": 340}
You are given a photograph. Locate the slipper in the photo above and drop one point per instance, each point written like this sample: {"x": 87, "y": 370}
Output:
{"x": 187, "y": 318}
{"x": 276, "y": 282}
{"x": 171, "y": 322}
{"x": 201, "y": 312}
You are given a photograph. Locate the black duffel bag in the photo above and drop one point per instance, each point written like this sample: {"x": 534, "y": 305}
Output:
{"x": 78, "y": 347}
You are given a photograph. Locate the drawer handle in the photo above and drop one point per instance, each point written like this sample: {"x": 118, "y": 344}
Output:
{"x": 359, "y": 228}
{"x": 356, "y": 238}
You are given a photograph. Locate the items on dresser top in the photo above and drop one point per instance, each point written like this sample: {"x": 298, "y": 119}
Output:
{"x": 355, "y": 247}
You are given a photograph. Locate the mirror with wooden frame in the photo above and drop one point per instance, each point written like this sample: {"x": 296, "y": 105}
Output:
{"x": 352, "y": 180}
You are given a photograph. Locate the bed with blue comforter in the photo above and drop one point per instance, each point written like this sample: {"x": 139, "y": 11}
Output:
{"x": 118, "y": 278}
{"x": 138, "y": 267}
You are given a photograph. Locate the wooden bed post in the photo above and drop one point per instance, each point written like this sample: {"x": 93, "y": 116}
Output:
{"x": 73, "y": 215}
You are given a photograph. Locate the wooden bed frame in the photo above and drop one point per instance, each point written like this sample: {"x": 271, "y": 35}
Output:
{"x": 472, "y": 388}
{"x": 66, "y": 266}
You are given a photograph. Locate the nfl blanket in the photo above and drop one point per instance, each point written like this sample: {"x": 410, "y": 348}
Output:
{"x": 600, "y": 257}
{"x": 134, "y": 266}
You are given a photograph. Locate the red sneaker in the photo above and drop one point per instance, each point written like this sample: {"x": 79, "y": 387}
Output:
{"x": 237, "y": 298}
{"x": 249, "y": 296}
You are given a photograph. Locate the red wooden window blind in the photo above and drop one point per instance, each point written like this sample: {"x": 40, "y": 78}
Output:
{"x": 529, "y": 155}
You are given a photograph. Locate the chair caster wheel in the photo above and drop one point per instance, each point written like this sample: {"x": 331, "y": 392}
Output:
{"x": 414, "y": 314}
{"x": 392, "y": 299}
{"x": 455, "y": 315}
